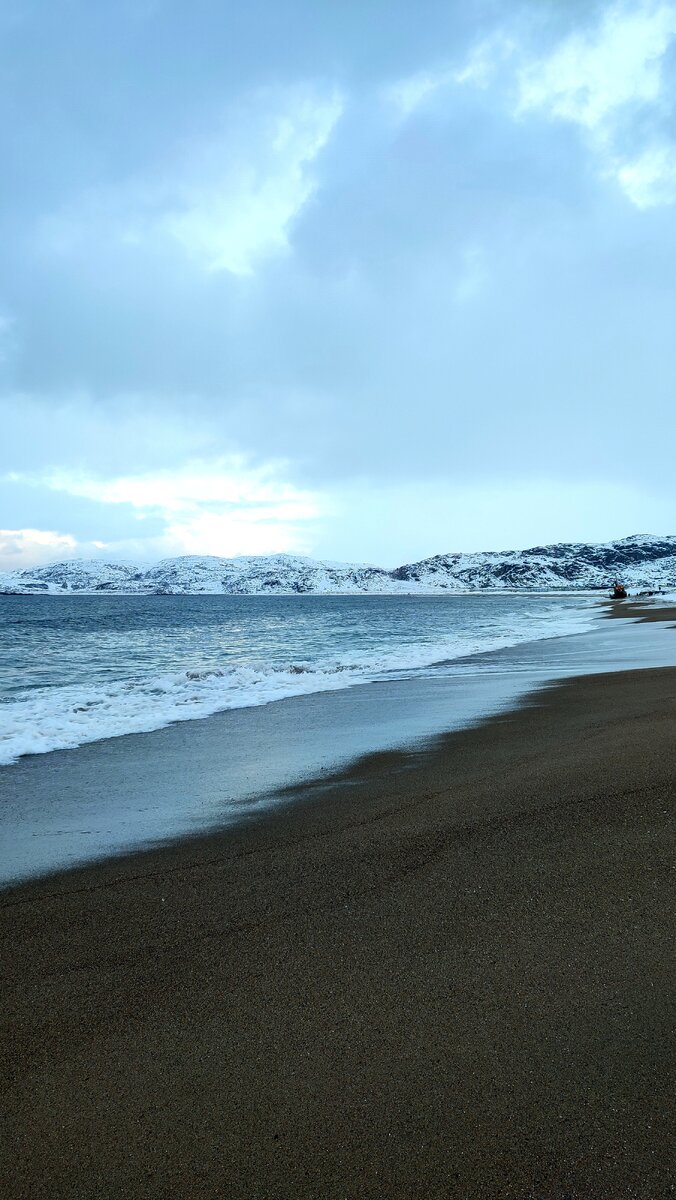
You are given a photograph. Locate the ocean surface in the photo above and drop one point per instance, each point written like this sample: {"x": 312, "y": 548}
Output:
{"x": 79, "y": 669}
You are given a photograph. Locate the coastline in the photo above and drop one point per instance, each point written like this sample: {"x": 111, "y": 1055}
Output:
{"x": 441, "y": 975}
{"x": 122, "y": 794}
{"x": 642, "y": 611}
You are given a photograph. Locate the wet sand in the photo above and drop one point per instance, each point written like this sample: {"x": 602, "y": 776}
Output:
{"x": 439, "y": 974}
{"x": 641, "y": 610}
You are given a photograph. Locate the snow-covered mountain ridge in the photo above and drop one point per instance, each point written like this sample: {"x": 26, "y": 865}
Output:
{"x": 641, "y": 561}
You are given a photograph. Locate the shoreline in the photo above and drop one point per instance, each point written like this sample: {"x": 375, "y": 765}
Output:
{"x": 440, "y": 972}
{"x": 224, "y": 658}
{"x": 120, "y": 795}
{"x": 642, "y": 610}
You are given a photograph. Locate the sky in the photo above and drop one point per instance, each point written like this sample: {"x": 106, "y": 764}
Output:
{"x": 361, "y": 279}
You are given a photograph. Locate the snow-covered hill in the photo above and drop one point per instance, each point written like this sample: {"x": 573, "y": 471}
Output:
{"x": 642, "y": 561}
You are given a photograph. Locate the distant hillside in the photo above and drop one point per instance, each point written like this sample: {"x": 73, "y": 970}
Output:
{"x": 642, "y": 561}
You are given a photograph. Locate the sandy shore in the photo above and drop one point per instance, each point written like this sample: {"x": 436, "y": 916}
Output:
{"x": 441, "y": 975}
{"x": 642, "y": 610}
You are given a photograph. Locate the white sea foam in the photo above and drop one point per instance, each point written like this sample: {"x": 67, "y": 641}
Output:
{"x": 42, "y": 719}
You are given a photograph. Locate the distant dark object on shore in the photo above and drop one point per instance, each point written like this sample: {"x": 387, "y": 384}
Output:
{"x": 619, "y": 592}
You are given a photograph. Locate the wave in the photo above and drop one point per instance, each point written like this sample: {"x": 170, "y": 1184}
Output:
{"x": 63, "y": 717}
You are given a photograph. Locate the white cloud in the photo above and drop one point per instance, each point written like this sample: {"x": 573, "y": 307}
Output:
{"x": 409, "y": 94}
{"x": 227, "y": 480}
{"x": 600, "y": 80}
{"x": 31, "y": 547}
{"x": 650, "y": 179}
{"x": 248, "y": 531}
{"x": 225, "y": 506}
{"x": 227, "y": 201}
{"x": 589, "y": 76}
{"x": 484, "y": 59}
{"x": 244, "y": 211}
{"x": 413, "y": 92}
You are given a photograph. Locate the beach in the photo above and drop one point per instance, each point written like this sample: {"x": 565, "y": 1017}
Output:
{"x": 437, "y": 972}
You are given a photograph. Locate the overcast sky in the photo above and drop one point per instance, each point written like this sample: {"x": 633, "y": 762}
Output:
{"x": 362, "y": 279}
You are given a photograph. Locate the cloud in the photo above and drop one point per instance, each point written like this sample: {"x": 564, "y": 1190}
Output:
{"x": 21, "y": 548}
{"x": 650, "y": 179}
{"x": 602, "y": 80}
{"x": 131, "y": 431}
{"x": 413, "y": 92}
{"x": 409, "y": 94}
{"x": 386, "y": 524}
{"x": 591, "y": 75}
{"x": 225, "y": 506}
{"x": 228, "y": 480}
{"x": 484, "y": 59}
{"x": 608, "y": 79}
{"x": 244, "y": 211}
{"x": 227, "y": 201}
{"x": 260, "y": 531}
{"x": 275, "y": 258}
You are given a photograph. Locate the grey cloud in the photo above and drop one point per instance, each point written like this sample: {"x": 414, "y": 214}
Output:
{"x": 465, "y": 292}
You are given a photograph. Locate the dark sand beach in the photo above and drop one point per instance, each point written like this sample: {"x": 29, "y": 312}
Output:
{"x": 641, "y": 610}
{"x": 440, "y": 973}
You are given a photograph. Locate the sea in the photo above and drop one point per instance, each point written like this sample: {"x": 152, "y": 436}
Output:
{"x": 76, "y": 669}
{"x": 129, "y": 721}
